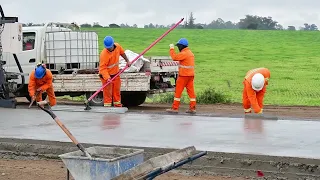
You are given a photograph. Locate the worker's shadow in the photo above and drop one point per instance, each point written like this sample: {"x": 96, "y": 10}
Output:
{"x": 110, "y": 121}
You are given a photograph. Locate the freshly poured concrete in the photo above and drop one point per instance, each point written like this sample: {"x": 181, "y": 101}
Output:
{"x": 281, "y": 138}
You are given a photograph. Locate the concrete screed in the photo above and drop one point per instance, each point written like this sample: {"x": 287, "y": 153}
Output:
{"x": 229, "y": 135}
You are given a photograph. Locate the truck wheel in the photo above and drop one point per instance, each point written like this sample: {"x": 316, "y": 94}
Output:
{"x": 44, "y": 96}
{"x": 97, "y": 100}
{"x": 131, "y": 99}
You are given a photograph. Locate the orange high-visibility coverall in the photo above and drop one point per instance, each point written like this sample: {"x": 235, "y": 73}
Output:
{"x": 185, "y": 77}
{"x": 251, "y": 98}
{"x": 45, "y": 84}
{"x": 108, "y": 68}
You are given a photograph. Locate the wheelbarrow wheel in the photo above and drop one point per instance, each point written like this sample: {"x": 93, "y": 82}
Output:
{"x": 97, "y": 100}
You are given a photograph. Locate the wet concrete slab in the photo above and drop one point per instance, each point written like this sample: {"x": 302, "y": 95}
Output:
{"x": 239, "y": 135}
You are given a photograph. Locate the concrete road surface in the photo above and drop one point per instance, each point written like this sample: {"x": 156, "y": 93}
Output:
{"x": 253, "y": 136}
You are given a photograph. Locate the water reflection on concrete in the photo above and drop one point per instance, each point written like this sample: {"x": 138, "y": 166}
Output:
{"x": 282, "y": 137}
{"x": 110, "y": 121}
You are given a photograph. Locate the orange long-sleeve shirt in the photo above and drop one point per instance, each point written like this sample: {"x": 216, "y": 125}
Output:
{"x": 186, "y": 61}
{"x": 43, "y": 83}
{"x": 109, "y": 61}
{"x": 256, "y": 98}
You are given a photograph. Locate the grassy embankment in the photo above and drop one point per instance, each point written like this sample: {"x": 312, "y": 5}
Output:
{"x": 224, "y": 56}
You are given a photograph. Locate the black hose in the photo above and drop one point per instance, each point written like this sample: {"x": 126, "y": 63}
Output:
{"x": 1, "y": 11}
{"x": 21, "y": 71}
{"x": 2, "y": 80}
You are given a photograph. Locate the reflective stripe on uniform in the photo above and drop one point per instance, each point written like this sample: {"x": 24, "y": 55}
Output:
{"x": 176, "y": 99}
{"x": 187, "y": 67}
{"x": 107, "y": 104}
{"x": 113, "y": 65}
{"x": 192, "y": 99}
{"x": 116, "y": 102}
{"x": 247, "y": 110}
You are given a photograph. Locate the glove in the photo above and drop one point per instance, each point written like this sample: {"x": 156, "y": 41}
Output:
{"x": 171, "y": 46}
{"x": 128, "y": 63}
{"x": 101, "y": 76}
{"x": 108, "y": 80}
{"x": 39, "y": 89}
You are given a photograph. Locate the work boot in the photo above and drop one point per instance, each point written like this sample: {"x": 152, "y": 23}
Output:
{"x": 172, "y": 110}
{"x": 191, "y": 111}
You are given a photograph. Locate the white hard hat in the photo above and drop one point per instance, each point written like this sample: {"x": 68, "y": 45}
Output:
{"x": 257, "y": 81}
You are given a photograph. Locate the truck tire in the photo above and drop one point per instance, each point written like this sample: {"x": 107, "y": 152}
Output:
{"x": 131, "y": 99}
{"x": 97, "y": 100}
{"x": 44, "y": 96}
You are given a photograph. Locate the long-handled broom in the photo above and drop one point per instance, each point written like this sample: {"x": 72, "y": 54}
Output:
{"x": 87, "y": 107}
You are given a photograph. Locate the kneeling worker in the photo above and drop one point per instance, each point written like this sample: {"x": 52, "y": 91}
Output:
{"x": 41, "y": 80}
{"x": 108, "y": 68}
{"x": 255, "y": 85}
{"x": 185, "y": 77}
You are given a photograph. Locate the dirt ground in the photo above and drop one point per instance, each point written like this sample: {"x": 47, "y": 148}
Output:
{"x": 303, "y": 112}
{"x": 55, "y": 170}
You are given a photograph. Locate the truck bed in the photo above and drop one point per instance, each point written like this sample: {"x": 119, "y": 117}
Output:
{"x": 91, "y": 82}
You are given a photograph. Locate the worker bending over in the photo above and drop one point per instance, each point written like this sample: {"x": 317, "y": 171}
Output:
{"x": 185, "y": 77}
{"x": 255, "y": 84}
{"x": 41, "y": 80}
{"x": 108, "y": 68}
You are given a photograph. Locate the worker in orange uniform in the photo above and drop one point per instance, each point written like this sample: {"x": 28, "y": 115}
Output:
{"x": 255, "y": 84}
{"x": 186, "y": 75}
{"x": 108, "y": 68}
{"x": 41, "y": 80}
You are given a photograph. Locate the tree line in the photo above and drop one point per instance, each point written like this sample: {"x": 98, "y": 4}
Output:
{"x": 252, "y": 22}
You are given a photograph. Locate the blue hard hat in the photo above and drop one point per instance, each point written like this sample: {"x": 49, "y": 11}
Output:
{"x": 183, "y": 41}
{"x": 108, "y": 42}
{"x": 40, "y": 72}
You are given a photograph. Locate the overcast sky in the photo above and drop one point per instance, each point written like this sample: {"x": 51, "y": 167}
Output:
{"x": 140, "y": 12}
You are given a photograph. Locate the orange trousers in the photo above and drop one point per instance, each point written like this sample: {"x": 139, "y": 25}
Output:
{"x": 246, "y": 100}
{"x": 51, "y": 96}
{"x": 188, "y": 83}
{"x": 112, "y": 92}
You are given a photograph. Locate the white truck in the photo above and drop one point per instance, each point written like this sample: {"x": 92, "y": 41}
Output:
{"x": 72, "y": 55}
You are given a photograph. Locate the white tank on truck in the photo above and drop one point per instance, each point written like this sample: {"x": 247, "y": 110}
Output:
{"x": 72, "y": 55}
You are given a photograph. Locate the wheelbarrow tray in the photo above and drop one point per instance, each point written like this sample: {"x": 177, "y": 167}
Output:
{"x": 106, "y": 162}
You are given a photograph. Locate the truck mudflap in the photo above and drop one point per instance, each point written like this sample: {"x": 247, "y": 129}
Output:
{"x": 91, "y": 82}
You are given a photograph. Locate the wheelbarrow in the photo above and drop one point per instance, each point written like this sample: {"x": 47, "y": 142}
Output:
{"x": 113, "y": 163}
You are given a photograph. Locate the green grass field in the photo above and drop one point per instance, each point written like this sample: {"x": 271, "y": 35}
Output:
{"x": 224, "y": 56}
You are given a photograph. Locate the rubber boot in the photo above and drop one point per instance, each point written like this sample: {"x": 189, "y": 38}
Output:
{"x": 191, "y": 111}
{"x": 172, "y": 110}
